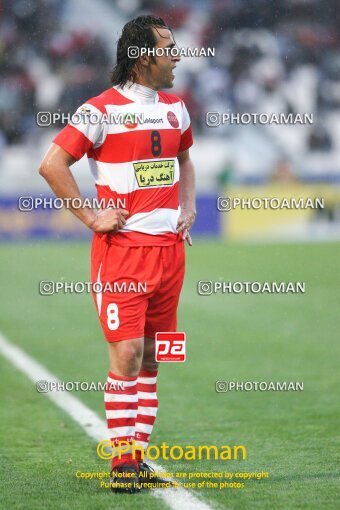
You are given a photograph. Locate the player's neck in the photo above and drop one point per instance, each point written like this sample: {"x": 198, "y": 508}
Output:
{"x": 139, "y": 93}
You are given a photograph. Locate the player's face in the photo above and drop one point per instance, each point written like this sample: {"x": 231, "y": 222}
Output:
{"x": 162, "y": 69}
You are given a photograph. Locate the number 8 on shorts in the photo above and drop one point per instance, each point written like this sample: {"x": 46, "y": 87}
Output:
{"x": 112, "y": 317}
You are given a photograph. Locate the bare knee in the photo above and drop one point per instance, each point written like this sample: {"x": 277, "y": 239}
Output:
{"x": 126, "y": 357}
{"x": 150, "y": 365}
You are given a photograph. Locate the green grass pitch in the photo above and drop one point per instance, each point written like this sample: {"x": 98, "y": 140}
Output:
{"x": 244, "y": 337}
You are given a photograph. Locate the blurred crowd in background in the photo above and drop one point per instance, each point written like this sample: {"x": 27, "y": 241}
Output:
{"x": 44, "y": 67}
{"x": 280, "y": 56}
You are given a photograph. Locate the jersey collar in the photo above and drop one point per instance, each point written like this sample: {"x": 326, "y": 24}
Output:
{"x": 138, "y": 93}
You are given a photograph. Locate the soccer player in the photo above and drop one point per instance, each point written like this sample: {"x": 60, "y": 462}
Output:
{"x": 145, "y": 165}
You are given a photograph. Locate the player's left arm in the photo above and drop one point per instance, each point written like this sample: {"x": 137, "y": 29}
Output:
{"x": 187, "y": 195}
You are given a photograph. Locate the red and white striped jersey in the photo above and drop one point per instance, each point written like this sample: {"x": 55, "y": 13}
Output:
{"x": 133, "y": 161}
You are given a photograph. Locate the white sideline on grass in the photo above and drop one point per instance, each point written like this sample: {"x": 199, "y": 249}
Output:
{"x": 88, "y": 420}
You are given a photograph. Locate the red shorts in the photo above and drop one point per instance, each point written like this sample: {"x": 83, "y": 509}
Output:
{"x": 140, "y": 288}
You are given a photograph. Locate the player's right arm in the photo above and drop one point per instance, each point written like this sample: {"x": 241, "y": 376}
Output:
{"x": 55, "y": 168}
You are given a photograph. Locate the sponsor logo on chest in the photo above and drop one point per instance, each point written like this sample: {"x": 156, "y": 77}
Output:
{"x": 132, "y": 120}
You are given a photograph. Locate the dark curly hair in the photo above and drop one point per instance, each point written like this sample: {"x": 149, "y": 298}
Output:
{"x": 137, "y": 32}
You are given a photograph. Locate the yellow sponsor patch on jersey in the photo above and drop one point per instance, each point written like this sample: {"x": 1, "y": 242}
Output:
{"x": 155, "y": 173}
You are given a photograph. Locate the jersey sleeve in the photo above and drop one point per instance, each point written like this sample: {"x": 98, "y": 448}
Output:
{"x": 186, "y": 131}
{"x": 84, "y": 132}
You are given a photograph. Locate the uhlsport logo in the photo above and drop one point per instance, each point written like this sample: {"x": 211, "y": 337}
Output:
{"x": 170, "y": 347}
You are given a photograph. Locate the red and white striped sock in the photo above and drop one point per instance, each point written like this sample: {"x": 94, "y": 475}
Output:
{"x": 121, "y": 404}
{"x": 147, "y": 408}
